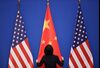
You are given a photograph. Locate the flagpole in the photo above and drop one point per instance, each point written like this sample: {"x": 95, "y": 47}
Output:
{"x": 79, "y": 1}
{"x": 18, "y": 4}
{"x": 47, "y": 2}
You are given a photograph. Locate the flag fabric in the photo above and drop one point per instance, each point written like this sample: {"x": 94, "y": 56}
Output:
{"x": 80, "y": 55}
{"x": 48, "y": 36}
{"x": 20, "y": 53}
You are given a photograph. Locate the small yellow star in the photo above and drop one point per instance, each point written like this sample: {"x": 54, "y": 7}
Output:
{"x": 46, "y": 24}
{"x": 55, "y": 38}
{"x": 42, "y": 41}
{"x": 50, "y": 43}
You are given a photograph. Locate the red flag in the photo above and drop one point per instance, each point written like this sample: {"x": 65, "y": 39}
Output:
{"x": 48, "y": 36}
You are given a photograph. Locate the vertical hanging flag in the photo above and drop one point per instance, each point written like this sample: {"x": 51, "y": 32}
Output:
{"x": 48, "y": 36}
{"x": 80, "y": 55}
{"x": 20, "y": 53}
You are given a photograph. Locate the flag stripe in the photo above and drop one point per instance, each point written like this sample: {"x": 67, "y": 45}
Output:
{"x": 73, "y": 61}
{"x": 87, "y": 42}
{"x": 83, "y": 56}
{"x": 79, "y": 57}
{"x": 15, "y": 58}
{"x": 88, "y": 45}
{"x": 11, "y": 64}
{"x": 23, "y": 56}
{"x": 88, "y": 51}
{"x": 75, "y": 58}
{"x": 26, "y": 47}
{"x": 19, "y": 57}
{"x": 26, "y": 55}
{"x": 87, "y": 56}
{"x": 26, "y": 41}
{"x": 71, "y": 64}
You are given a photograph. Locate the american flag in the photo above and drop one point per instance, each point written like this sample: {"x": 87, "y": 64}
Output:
{"x": 80, "y": 55}
{"x": 20, "y": 54}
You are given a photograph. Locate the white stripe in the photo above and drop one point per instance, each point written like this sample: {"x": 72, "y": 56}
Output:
{"x": 83, "y": 57}
{"x": 88, "y": 51}
{"x": 71, "y": 64}
{"x": 27, "y": 50}
{"x": 75, "y": 58}
{"x": 22, "y": 56}
{"x": 16, "y": 59}
{"x": 11, "y": 64}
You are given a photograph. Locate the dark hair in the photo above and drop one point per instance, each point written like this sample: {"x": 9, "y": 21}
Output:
{"x": 48, "y": 50}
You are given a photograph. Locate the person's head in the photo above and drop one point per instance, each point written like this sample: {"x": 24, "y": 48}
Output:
{"x": 48, "y": 50}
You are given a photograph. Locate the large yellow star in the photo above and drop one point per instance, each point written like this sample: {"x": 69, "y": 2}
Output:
{"x": 46, "y": 24}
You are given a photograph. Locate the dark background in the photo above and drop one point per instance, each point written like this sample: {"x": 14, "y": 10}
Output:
{"x": 64, "y": 16}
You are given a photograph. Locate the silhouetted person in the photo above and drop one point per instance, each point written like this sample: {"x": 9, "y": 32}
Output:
{"x": 49, "y": 60}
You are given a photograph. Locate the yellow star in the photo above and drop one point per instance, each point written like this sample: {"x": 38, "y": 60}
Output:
{"x": 50, "y": 43}
{"x": 43, "y": 42}
{"x": 55, "y": 38}
{"x": 46, "y": 24}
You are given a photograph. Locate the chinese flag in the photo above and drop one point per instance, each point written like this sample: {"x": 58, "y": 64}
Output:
{"x": 49, "y": 37}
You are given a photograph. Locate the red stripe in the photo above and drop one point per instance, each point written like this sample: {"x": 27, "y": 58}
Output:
{"x": 87, "y": 42}
{"x": 26, "y": 55}
{"x": 19, "y": 57}
{"x": 73, "y": 61}
{"x": 86, "y": 55}
{"x": 79, "y": 58}
{"x": 9, "y": 66}
{"x": 88, "y": 45}
{"x": 13, "y": 61}
{"x": 68, "y": 66}
{"x": 26, "y": 41}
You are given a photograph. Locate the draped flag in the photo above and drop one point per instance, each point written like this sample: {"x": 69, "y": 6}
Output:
{"x": 20, "y": 54}
{"x": 48, "y": 36}
{"x": 80, "y": 55}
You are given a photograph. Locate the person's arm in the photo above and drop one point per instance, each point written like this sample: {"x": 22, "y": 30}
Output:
{"x": 61, "y": 63}
{"x": 39, "y": 64}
